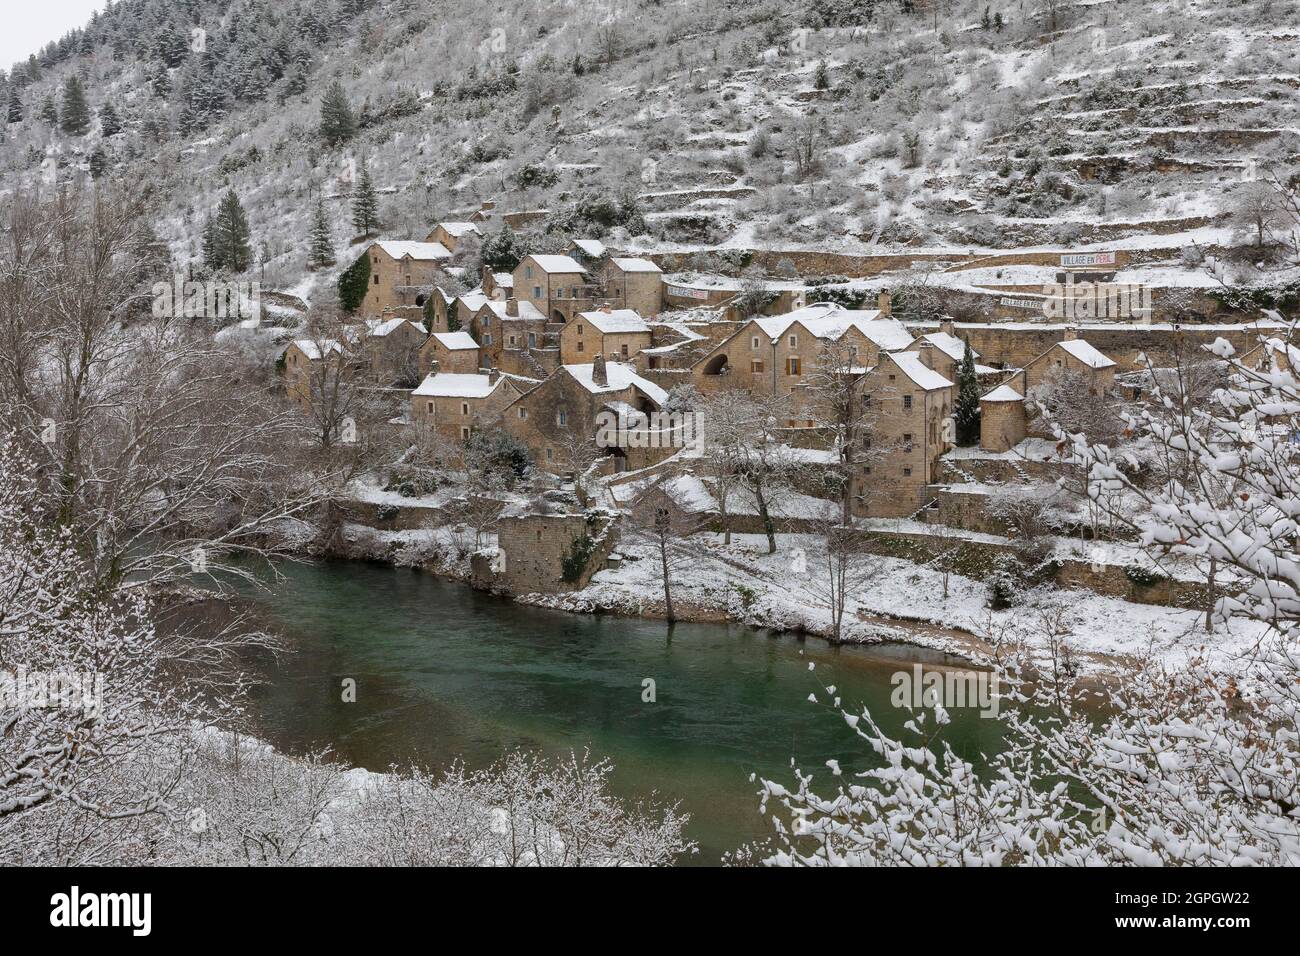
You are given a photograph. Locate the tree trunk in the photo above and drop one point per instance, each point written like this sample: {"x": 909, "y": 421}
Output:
{"x": 669, "y": 614}
{"x": 1209, "y": 598}
{"x": 767, "y": 519}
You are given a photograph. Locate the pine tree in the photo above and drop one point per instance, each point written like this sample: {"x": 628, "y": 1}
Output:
{"x": 997, "y": 22}
{"x": 50, "y": 111}
{"x": 98, "y": 163}
{"x": 110, "y": 124}
{"x": 338, "y": 123}
{"x": 985, "y": 21}
{"x": 822, "y": 80}
{"x": 365, "y": 204}
{"x": 966, "y": 411}
{"x": 502, "y": 251}
{"x": 321, "y": 253}
{"x": 74, "y": 119}
{"x": 15, "y": 105}
{"x": 226, "y": 237}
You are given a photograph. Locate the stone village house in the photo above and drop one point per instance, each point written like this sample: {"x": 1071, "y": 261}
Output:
{"x": 617, "y": 334}
{"x": 562, "y": 412}
{"x": 455, "y": 404}
{"x": 452, "y": 351}
{"x": 399, "y": 273}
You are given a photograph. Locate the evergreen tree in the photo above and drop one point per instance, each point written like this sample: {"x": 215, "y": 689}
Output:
{"x": 321, "y": 252}
{"x": 365, "y": 204}
{"x": 338, "y": 123}
{"x": 997, "y": 22}
{"x": 98, "y": 163}
{"x": 985, "y": 21}
{"x": 15, "y": 105}
{"x": 226, "y": 238}
{"x": 50, "y": 111}
{"x": 353, "y": 283}
{"x": 822, "y": 80}
{"x": 74, "y": 119}
{"x": 966, "y": 410}
{"x": 502, "y": 250}
{"x": 110, "y": 124}
{"x": 578, "y": 68}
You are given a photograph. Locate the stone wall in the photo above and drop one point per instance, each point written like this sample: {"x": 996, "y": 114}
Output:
{"x": 537, "y": 546}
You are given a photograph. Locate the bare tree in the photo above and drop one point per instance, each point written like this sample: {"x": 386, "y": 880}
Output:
{"x": 658, "y": 520}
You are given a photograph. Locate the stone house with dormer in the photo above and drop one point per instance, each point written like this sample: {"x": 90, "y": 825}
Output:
{"x": 400, "y": 274}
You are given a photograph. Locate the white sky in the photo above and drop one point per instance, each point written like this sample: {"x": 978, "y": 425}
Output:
{"x": 30, "y": 24}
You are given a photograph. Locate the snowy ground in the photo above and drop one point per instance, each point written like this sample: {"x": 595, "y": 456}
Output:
{"x": 780, "y": 591}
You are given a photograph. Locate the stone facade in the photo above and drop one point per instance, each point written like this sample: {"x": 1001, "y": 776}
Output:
{"x": 547, "y": 553}
{"x": 554, "y": 285}
{"x": 400, "y": 274}
{"x": 453, "y": 351}
{"x": 1002, "y": 419}
{"x": 617, "y": 335}
{"x": 636, "y": 284}
{"x": 456, "y": 405}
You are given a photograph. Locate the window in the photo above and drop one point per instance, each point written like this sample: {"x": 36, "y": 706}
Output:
{"x": 487, "y": 338}
{"x": 579, "y": 329}
{"x": 523, "y": 413}
{"x": 794, "y": 341}
{"x": 756, "y": 365}
{"x": 528, "y": 272}
{"x": 907, "y": 401}
{"x": 549, "y": 455}
{"x": 464, "y": 432}
{"x": 377, "y": 283}
{"x": 514, "y": 340}
{"x": 464, "y": 408}
{"x": 430, "y": 404}
{"x": 907, "y": 472}
{"x": 792, "y": 365}
{"x": 408, "y": 280}
{"x": 892, "y": 377}
{"x": 532, "y": 339}
{"x": 907, "y": 441}
{"x": 624, "y": 351}
{"x": 853, "y": 354}
{"x": 753, "y": 343}
{"x": 537, "y": 292}
{"x": 561, "y": 418}
{"x": 581, "y": 347}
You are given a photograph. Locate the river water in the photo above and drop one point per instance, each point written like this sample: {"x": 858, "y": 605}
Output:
{"x": 443, "y": 672}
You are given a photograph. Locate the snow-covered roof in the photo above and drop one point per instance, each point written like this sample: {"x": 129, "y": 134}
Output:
{"x": 618, "y": 377}
{"x": 382, "y": 328}
{"x": 911, "y": 365}
{"x": 456, "y": 341}
{"x": 458, "y": 385}
{"x": 525, "y": 309}
{"x": 422, "y": 251}
{"x": 557, "y": 263}
{"x": 473, "y": 301}
{"x": 616, "y": 320}
{"x": 504, "y": 279}
{"x": 313, "y": 349}
{"x": 1086, "y": 353}
{"x": 949, "y": 344}
{"x": 458, "y": 229}
{"x": 826, "y": 320}
{"x": 636, "y": 265}
{"x": 592, "y": 247}
{"x": 1003, "y": 393}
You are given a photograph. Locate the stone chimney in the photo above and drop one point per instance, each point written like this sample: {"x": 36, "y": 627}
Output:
{"x": 598, "y": 374}
{"x": 1069, "y": 333}
{"x": 493, "y": 375}
{"x": 885, "y": 303}
{"x": 487, "y": 280}
{"x": 925, "y": 352}
{"x": 605, "y": 308}
{"x": 512, "y": 306}
{"x": 433, "y": 367}
{"x": 946, "y": 324}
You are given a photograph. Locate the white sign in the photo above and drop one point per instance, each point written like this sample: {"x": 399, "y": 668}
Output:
{"x": 685, "y": 293}
{"x": 1088, "y": 259}
{"x": 1035, "y": 304}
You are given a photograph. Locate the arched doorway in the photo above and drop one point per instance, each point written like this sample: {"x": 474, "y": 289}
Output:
{"x": 716, "y": 365}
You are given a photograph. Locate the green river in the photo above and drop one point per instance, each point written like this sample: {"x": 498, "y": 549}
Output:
{"x": 445, "y": 672}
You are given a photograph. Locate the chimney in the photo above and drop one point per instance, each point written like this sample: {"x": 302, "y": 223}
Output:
{"x": 512, "y": 306}
{"x": 605, "y": 308}
{"x": 1069, "y": 333}
{"x": 925, "y": 352}
{"x": 598, "y": 374}
{"x": 946, "y": 324}
{"x": 433, "y": 367}
{"x": 884, "y": 302}
{"x": 493, "y": 375}
{"x": 486, "y": 280}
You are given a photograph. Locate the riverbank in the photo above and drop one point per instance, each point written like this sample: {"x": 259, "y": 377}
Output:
{"x": 898, "y": 602}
